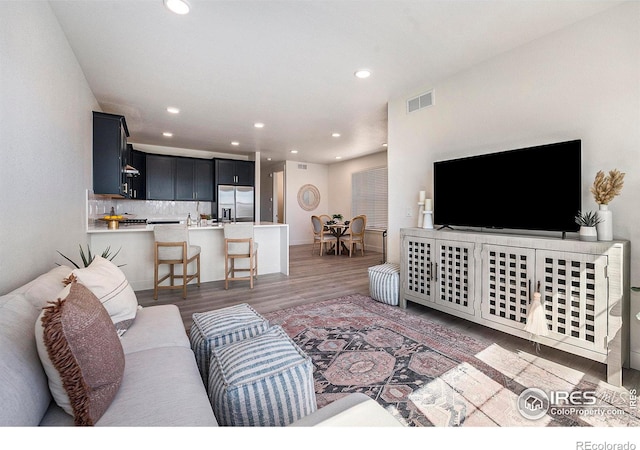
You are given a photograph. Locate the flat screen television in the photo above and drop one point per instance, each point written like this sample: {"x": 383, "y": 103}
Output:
{"x": 535, "y": 188}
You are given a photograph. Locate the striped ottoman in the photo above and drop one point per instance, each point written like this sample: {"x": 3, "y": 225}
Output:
{"x": 219, "y": 327}
{"x": 384, "y": 283}
{"x": 263, "y": 381}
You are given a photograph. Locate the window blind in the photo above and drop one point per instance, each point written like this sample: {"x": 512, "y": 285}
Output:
{"x": 369, "y": 196}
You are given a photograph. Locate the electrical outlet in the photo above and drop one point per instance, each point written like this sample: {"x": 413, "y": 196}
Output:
{"x": 409, "y": 212}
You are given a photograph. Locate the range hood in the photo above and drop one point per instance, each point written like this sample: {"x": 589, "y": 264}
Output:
{"x": 130, "y": 171}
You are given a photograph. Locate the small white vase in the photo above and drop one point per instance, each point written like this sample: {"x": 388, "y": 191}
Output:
{"x": 605, "y": 227}
{"x": 428, "y": 220}
{"x": 588, "y": 234}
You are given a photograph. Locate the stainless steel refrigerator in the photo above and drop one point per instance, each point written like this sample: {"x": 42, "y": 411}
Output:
{"x": 235, "y": 203}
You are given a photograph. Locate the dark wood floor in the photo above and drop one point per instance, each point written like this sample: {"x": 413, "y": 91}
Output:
{"x": 314, "y": 278}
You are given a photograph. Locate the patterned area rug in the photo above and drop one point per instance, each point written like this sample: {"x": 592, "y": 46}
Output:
{"x": 426, "y": 374}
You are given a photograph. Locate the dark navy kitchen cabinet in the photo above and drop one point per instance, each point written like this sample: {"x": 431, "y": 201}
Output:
{"x": 203, "y": 183}
{"x": 194, "y": 179}
{"x": 235, "y": 172}
{"x": 160, "y": 177}
{"x": 178, "y": 178}
{"x": 110, "y": 134}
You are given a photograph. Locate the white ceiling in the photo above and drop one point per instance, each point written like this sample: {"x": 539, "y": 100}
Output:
{"x": 289, "y": 64}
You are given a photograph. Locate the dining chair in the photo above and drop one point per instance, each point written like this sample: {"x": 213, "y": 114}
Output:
{"x": 355, "y": 234}
{"x": 321, "y": 235}
{"x": 324, "y": 218}
{"x": 239, "y": 244}
{"x": 171, "y": 246}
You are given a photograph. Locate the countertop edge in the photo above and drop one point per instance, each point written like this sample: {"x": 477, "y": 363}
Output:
{"x": 148, "y": 228}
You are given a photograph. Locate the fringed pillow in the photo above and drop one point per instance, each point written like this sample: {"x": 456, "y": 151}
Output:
{"x": 81, "y": 354}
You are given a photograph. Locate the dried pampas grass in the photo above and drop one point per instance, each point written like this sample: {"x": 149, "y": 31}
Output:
{"x": 606, "y": 187}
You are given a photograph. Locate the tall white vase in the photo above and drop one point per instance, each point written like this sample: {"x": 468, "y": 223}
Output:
{"x": 605, "y": 227}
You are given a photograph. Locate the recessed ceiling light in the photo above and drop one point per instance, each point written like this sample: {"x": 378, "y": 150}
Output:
{"x": 177, "y": 6}
{"x": 363, "y": 73}
{"x": 268, "y": 159}
{"x": 338, "y": 157}
{"x": 173, "y": 110}
{"x": 258, "y": 125}
{"x": 384, "y": 144}
{"x": 294, "y": 151}
{"x": 167, "y": 134}
{"x": 236, "y": 143}
{"x": 335, "y": 134}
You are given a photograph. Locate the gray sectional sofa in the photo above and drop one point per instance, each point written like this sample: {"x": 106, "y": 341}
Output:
{"x": 161, "y": 385}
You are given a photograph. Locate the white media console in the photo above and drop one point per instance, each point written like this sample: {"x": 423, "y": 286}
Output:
{"x": 489, "y": 278}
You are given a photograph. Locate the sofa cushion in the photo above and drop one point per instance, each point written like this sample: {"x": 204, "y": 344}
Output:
{"x": 81, "y": 353}
{"x": 110, "y": 285}
{"x": 24, "y": 394}
{"x": 155, "y": 326}
{"x": 153, "y": 393}
{"x": 161, "y": 387}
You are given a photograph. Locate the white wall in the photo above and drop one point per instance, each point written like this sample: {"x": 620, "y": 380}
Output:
{"x": 340, "y": 190}
{"x": 46, "y": 129}
{"x": 299, "y": 220}
{"x": 340, "y": 180}
{"x": 582, "y": 82}
{"x": 334, "y": 183}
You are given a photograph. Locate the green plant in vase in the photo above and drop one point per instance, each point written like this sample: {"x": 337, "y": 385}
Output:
{"x": 88, "y": 257}
{"x": 337, "y": 217}
{"x": 588, "y": 221}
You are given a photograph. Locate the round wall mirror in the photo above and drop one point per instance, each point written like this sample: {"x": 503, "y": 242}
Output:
{"x": 308, "y": 197}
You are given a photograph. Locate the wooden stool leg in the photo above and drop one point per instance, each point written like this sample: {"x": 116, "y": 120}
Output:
{"x": 198, "y": 264}
{"x": 155, "y": 282}
{"x": 184, "y": 278}
{"x": 226, "y": 272}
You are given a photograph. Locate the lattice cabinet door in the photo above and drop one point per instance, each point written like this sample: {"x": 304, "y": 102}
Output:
{"x": 507, "y": 284}
{"x": 575, "y": 297}
{"x": 454, "y": 275}
{"x": 418, "y": 274}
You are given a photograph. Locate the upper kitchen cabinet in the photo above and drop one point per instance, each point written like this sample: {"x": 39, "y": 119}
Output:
{"x": 194, "y": 179}
{"x": 110, "y": 155}
{"x": 160, "y": 177}
{"x": 178, "y": 178}
{"x": 235, "y": 172}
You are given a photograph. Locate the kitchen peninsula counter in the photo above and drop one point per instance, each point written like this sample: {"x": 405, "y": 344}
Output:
{"x": 136, "y": 250}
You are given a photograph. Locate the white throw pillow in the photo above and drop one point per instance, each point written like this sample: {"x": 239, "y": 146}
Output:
{"x": 109, "y": 284}
{"x": 44, "y": 288}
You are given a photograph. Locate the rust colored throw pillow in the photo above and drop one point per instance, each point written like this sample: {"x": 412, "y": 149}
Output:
{"x": 81, "y": 353}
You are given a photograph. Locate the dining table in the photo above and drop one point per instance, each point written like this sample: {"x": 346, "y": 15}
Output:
{"x": 338, "y": 230}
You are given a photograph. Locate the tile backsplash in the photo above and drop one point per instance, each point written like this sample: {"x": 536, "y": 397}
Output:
{"x": 98, "y": 206}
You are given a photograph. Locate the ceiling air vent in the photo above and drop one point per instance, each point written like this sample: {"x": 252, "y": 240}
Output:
{"x": 419, "y": 102}
{"x": 302, "y": 166}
